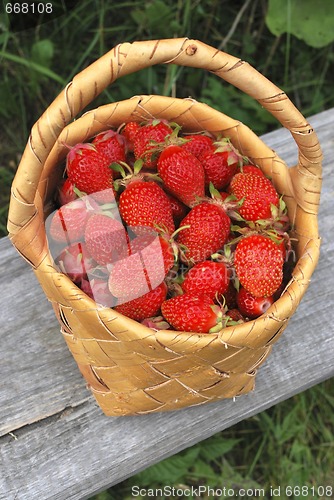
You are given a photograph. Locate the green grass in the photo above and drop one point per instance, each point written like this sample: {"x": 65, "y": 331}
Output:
{"x": 291, "y": 443}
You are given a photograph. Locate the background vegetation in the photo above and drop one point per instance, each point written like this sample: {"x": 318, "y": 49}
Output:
{"x": 291, "y": 43}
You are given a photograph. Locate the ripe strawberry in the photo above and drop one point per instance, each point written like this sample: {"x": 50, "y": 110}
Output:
{"x": 146, "y": 140}
{"x": 111, "y": 145}
{"x": 66, "y": 192}
{"x": 251, "y": 169}
{"x": 88, "y": 169}
{"x": 250, "y": 306}
{"x": 146, "y": 306}
{"x": 182, "y": 174}
{"x": 129, "y": 132}
{"x": 156, "y": 323}
{"x": 151, "y": 245}
{"x": 146, "y": 204}
{"x": 231, "y": 296}
{"x": 258, "y": 194}
{"x": 67, "y": 224}
{"x": 75, "y": 261}
{"x": 106, "y": 238}
{"x": 179, "y": 209}
{"x": 235, "y": 315}
{"x": 209, "y": 278}
{"x": 192, "y": 313}
{"x": 219, "y": 167}
{"x": 209, "y": 229}
{"x": 150, "y": 259}
{"x": 105, "y": 196}
{"x": 197, "y": 143}
{"x": 97, "y": 289}
{"x": 258, "y": 262}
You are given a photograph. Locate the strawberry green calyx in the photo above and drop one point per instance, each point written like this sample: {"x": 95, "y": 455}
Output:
{"x": 225, "y": 254}
{"x": 279, "y": 220}
{"x": 79, "y": 193}
{"x": 219, "y": 319}
{"x": 156, "y": 323}
{"x": 132, "y": 174}
{"x": 223, "y": 319}
{"x": 228, "y": 202}
{"x": 125, "y": 170}
{"x": 79, "y": 149}
{"x": 225, "y": 145}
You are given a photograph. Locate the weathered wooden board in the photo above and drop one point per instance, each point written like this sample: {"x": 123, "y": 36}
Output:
{"x": 56, "y": 443}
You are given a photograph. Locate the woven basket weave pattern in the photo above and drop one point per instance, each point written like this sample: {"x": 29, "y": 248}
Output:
{"x": 130, "y": 368}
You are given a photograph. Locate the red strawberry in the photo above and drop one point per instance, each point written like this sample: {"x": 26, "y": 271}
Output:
{"x": 147, "y": 138}
{"x": 219, "y": 167}
{"x": 150, "y": 260}
{"x": 231, "y": 296}
{"x": 88, "y": 169}
{"x": 182, "y": 174}
{"x": 250, "y": 306}
{"x": 197, "y": 144}
{"x": 105, "y": 196}
{"x": 209, "y": 278}
{"x": 179, "y": 209}
{"x": 235, "y": 315}
{"x": 66, "y": 192}
{"x": 220, "y": 163}
{"x": 106, "y": 239}
{"x": 129, "y": 132}
{"x": 156, "y": 323}
{"x": 146, "y": 306}
{"x": 111, "y": 145}
{"x": 258, "y": 262}
{"x": 209, "y": 229}
{"x": 192, "y": 313}
{"x": 75, "y": 261}
{"x": 146, "y": 204}
{"x": 67, "y": 224}
{"x": 258, "y": 194}
{"x": 251, "y": 169}
{"x": 97, "y": 289}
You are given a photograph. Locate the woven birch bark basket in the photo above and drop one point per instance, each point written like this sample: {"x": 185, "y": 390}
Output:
{"x": 130, "y": 368}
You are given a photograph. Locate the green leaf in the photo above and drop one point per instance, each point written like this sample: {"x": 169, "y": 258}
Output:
{"x": 215, "y": 447}
{"x": 8, "y": 99}
{"x": 42, "y": 52}
{"x": 236, "y": 104}
{"x": 32, "y": 65}
{"x": 169, "y": 471}
{"x": 310, "y": 22}
{"x": 206, "y": 473}
{"x": 155, "y": 17}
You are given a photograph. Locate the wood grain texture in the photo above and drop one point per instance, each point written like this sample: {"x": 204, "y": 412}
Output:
{"x": 57, "y": 444}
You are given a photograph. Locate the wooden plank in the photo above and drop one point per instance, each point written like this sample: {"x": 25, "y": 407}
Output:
{"x": 55, "y": 441}
{"x": 39, "y": 377}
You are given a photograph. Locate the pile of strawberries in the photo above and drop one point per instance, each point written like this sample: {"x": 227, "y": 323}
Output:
{"x": 173, "y": 230}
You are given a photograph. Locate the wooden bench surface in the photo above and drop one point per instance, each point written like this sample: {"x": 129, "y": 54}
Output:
{"x": 56, "y": 443}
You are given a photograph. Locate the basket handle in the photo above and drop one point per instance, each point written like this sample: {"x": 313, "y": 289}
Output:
{"x": 128, "y": 58}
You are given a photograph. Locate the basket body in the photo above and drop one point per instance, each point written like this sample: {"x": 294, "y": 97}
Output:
{"x": 132, "y": 369}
